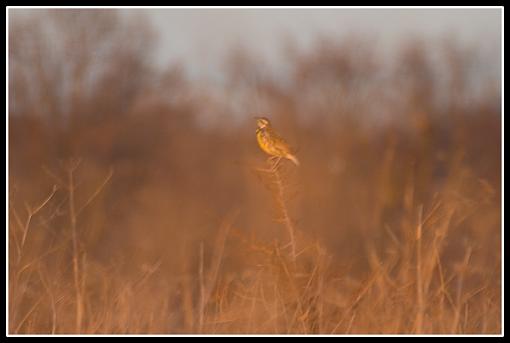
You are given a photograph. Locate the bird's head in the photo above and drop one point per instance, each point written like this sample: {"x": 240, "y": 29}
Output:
{"x": 262, "y": 122}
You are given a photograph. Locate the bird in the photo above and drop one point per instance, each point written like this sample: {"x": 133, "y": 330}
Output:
{"x": 271, "y": 143}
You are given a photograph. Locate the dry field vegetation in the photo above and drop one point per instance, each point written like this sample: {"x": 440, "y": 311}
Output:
{"x": 139, "y": 203}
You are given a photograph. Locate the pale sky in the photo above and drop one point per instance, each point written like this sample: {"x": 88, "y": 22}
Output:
{"x": 203, "y": 37}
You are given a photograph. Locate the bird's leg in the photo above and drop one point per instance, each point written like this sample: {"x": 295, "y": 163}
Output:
{"x": 275, "y": 164}
{"x": 270, "y": 163}
{"x": 273, "y": 161}
{"x": 270, "y": 160}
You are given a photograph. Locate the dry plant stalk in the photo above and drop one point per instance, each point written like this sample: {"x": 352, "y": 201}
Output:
{"x": 419, "y": 279}
{"x": 76, "y": 265}
{"x": 77, "y": 256}
{"x": 18, "y": 268}
{"x": 278, "y": 191}
{"x": 207, "y": 281}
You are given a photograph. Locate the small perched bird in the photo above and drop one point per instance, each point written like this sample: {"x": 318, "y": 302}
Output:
{"x": 271, "y": 143}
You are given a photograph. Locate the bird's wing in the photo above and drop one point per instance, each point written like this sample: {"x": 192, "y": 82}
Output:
{"x": 281, "y": 143}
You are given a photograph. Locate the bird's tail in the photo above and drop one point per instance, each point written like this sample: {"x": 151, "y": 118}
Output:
{"x": 293, "y": 159}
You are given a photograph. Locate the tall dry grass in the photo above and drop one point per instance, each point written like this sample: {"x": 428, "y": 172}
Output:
{"x": 239, "y": 283}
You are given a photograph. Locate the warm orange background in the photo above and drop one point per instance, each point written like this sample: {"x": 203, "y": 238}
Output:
{"x": 161, "y": 222}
